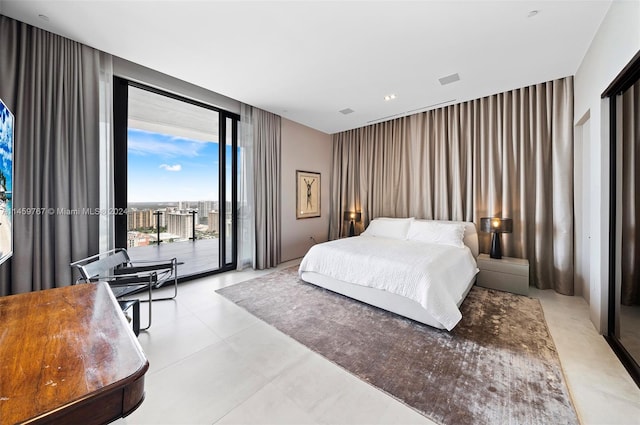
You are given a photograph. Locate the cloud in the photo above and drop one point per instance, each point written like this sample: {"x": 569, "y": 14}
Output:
{"x": 145, "y": 143}
{"x": 168, "y": 167}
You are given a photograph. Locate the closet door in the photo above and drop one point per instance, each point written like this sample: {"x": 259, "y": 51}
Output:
{"x": 624, "y": 237}
{"x": 628, "y": 282}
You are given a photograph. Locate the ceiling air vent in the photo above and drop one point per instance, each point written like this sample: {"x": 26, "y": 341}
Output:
{"x": 449, "y": 79}
{"x": 346, "y": 111}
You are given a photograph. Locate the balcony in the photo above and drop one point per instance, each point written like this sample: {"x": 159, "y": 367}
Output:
{"x": 198, "y": 256}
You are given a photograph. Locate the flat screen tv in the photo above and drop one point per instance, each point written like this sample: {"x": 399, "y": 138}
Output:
{"x": 6, "y": 182}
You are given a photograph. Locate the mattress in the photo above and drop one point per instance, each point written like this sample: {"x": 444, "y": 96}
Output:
{"x": 422, "y": 277}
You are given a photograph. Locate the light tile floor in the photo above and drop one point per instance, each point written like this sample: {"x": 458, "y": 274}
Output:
{"x": 214, "y": 363}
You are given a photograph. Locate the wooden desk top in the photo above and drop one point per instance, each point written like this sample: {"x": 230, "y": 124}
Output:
{"x": 68, "y": 355}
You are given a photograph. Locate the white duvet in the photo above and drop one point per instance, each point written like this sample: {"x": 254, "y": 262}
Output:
{"x": 436, "y": 276}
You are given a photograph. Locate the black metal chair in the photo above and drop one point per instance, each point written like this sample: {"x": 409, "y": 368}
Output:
{"x": 126, "y": 277}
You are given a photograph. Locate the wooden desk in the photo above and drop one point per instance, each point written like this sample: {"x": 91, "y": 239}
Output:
{"x": 67, "y": 355}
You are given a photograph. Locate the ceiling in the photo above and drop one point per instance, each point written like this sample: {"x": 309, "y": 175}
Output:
{"x": 308, "y": 60}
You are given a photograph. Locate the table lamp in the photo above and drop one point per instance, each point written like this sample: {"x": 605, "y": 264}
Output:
{"x": 496, "y": 225}
{"x": 352, "y": 217}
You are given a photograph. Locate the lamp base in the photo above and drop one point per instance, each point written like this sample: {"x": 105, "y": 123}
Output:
{"x": 352, "y": 231}
{"x": 496, "y": 249}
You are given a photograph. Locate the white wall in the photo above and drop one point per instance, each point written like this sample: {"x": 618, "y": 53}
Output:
{"x": 305, "y": 149}
{"x": 582, "y": 207}
{"x": 615, "y": 43}
{"x": 135, "y": 72}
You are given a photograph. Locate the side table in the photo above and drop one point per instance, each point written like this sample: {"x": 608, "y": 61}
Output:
{"x": 507, "y": 274}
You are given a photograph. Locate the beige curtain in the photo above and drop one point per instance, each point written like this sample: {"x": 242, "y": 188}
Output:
{"x": 266, "y": 183}
{"x": 630, "y": 252}
{"x": 510, "y": 154}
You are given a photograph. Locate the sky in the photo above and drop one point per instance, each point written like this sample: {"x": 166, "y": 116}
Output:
{"x": 168, "y": 168}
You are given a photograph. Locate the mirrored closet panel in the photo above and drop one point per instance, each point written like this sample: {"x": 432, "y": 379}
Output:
{"x": 628, "y": 329}
{"x": 624, "y": 294}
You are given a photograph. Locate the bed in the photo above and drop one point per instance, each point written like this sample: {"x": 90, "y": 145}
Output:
{"x": 420, "y": 269}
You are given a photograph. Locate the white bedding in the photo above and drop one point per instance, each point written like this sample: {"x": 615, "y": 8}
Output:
{"x": 436, "y": 276}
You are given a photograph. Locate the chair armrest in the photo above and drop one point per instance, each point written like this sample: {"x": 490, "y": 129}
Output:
{"x": 163, "y": 261}
{"x": 127, "y": 279}
{"x": 139, "y": 269}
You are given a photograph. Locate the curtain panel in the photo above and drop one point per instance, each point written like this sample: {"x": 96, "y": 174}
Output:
{"x": 52, "y": 86}
{"x": 107, "y": 189}
{"x": 246, "y": 191}
{"x": 266, "y": 185}
{"x": 510, "y": 155}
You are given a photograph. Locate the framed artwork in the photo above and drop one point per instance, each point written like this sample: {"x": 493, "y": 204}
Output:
{"x": 6, "y": 182}
{"x": 307, "y": 194}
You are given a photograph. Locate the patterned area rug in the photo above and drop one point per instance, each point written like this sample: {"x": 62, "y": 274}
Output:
{"x": 498, "y": 366}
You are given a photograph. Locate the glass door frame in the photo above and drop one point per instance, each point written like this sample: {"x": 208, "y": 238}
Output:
{"x": 120, "y": 159}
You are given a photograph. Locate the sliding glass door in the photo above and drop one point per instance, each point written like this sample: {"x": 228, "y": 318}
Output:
{"x": 176, "y": 164}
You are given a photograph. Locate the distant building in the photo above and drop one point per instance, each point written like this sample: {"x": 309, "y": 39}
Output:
{"x": 139, "y": 239}
{"x": 180, "y": 223}
{"x": 214, "y": 221}
{"x": 187, "y": 205}
{"x": 163, "y": 217}
{"x": 140, "y": 219}
{"x": 205, "y": 207}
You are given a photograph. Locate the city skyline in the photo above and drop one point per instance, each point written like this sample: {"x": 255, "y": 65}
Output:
{"x": 187, "y": 205}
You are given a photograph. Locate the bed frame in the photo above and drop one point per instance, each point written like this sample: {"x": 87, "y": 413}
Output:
{"x": 392, "y": 302}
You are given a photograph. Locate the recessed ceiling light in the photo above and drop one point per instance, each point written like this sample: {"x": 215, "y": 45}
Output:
{"x": 44, "y": 17}
{"x": 389, "y": 97}
{"x": 532, "y": 13}
{"x": 346, "y": 111}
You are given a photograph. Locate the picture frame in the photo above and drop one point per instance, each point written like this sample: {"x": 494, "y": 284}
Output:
{"x": 7, "y": 124}
{"x": 307, "y": 194}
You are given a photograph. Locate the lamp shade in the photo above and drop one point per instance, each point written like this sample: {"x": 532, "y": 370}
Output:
{"x": 496, "y": 225}
{"x": 352, "y": 215}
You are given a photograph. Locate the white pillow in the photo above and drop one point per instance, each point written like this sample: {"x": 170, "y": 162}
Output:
{"x": 384, "y": 227}
{"x": 437, "y": 232}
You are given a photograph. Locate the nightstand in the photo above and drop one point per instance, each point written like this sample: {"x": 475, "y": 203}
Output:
{"x": 508, "y": 274}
